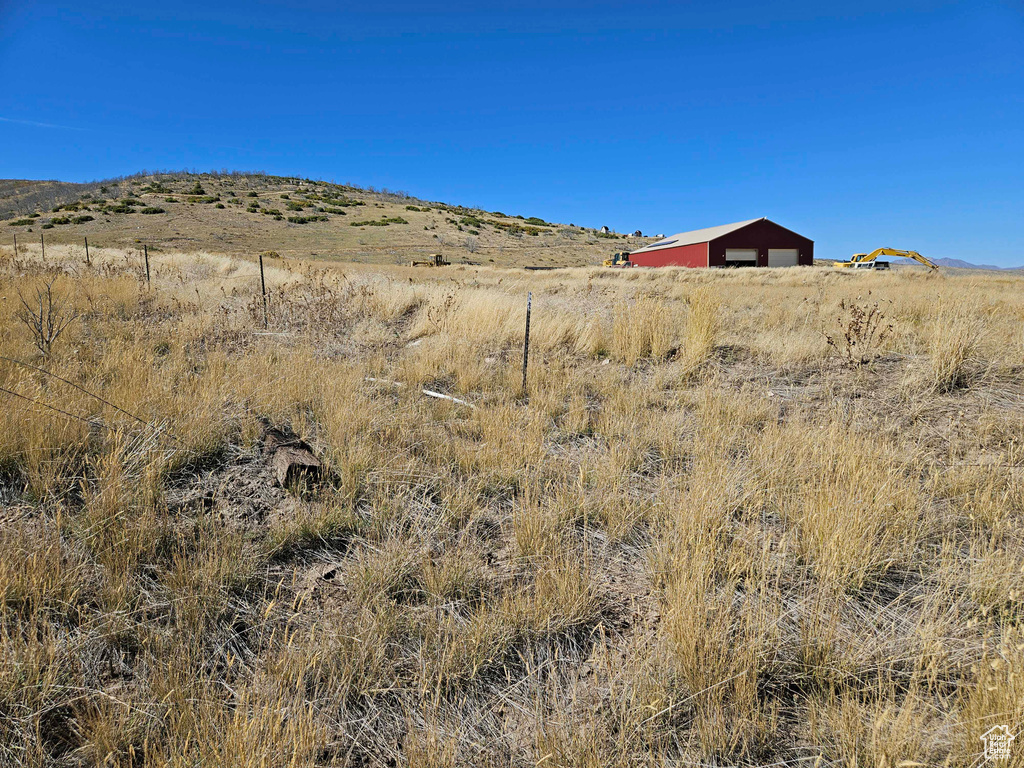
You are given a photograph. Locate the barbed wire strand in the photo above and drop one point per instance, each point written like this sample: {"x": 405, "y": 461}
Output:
{"x": 83, "y": 390}
{"x": 90, "y": 422}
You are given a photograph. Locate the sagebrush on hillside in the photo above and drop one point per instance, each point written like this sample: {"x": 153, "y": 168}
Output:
{"x": 702, "y": 536}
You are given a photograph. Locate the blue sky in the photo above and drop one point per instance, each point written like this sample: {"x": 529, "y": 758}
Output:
{"x": 858, "y": 124}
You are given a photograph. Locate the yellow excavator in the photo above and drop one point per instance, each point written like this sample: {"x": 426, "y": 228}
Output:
{"x": 870, "y": 260}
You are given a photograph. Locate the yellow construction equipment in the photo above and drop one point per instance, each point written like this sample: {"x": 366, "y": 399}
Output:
{"x": 870, "y": 260}
{"x": 436, "y": 260}
{"x": 618, "y": 260}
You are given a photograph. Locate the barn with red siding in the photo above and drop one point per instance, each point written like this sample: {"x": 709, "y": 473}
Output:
{"x": 754, "y": 243}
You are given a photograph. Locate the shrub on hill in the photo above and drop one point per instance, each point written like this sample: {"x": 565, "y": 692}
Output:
{"x": 334, "y": 198}
{"x": 75, "y": 206}
{"x": 306, "y": 219}
{"x": 516, "y": 229}
{"x": 384, "y": 222}
{"x": 152, "y": 209}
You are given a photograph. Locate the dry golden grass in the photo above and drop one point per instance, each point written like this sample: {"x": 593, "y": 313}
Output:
{"x": 701, "y": 536}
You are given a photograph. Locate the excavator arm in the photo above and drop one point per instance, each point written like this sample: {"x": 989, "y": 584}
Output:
{"x": 865, "y": 258}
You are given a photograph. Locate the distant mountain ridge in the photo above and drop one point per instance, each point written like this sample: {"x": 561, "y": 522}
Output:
{"x": 959, "y": 264}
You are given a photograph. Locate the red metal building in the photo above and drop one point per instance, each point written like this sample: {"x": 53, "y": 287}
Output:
{"x": 754, "y": 243}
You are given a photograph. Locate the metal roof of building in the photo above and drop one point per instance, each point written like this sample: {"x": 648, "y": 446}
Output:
{"x": 696, "y": 236}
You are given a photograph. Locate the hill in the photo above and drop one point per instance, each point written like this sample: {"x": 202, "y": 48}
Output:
{"x": 246, "y": 213}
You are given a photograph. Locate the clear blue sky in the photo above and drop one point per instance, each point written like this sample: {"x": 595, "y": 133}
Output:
{"x": 858, "y": 124}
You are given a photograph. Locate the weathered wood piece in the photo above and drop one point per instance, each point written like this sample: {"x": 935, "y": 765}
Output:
{"x": 293, "y": 459}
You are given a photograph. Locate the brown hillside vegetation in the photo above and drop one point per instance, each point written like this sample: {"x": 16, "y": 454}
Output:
{"x": 755, "y": 517}
{"x": 297, "y": 218}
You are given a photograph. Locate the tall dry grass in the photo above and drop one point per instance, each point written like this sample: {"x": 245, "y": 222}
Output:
{"x": 954, "y": 348}
{"x": 701, "y": 539}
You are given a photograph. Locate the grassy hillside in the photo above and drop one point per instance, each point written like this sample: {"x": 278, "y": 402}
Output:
{"x": 249, "y": 213}
{"x": 748, "y": 517}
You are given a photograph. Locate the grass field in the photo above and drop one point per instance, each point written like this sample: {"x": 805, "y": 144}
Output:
{"x": 754, "y": 517}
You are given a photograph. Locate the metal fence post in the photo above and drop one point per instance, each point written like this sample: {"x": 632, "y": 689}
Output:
{"x": 263, "y": 291}
{"x": 526, "y": 340}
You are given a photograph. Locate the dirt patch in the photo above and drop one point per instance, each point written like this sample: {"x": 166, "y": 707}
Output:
{"x": 241, "y": 492}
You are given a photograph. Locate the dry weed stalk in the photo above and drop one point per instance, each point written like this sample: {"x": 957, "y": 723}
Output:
{"x": 863, "y": 329}
{"x": 47, "y": 315}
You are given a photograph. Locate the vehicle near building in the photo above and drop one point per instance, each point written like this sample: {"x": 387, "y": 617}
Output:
{"x": 870, "y": 260}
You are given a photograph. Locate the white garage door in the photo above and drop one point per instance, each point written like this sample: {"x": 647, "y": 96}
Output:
{"x": 783, "y": 257}
{"x": 741, "y": 254}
